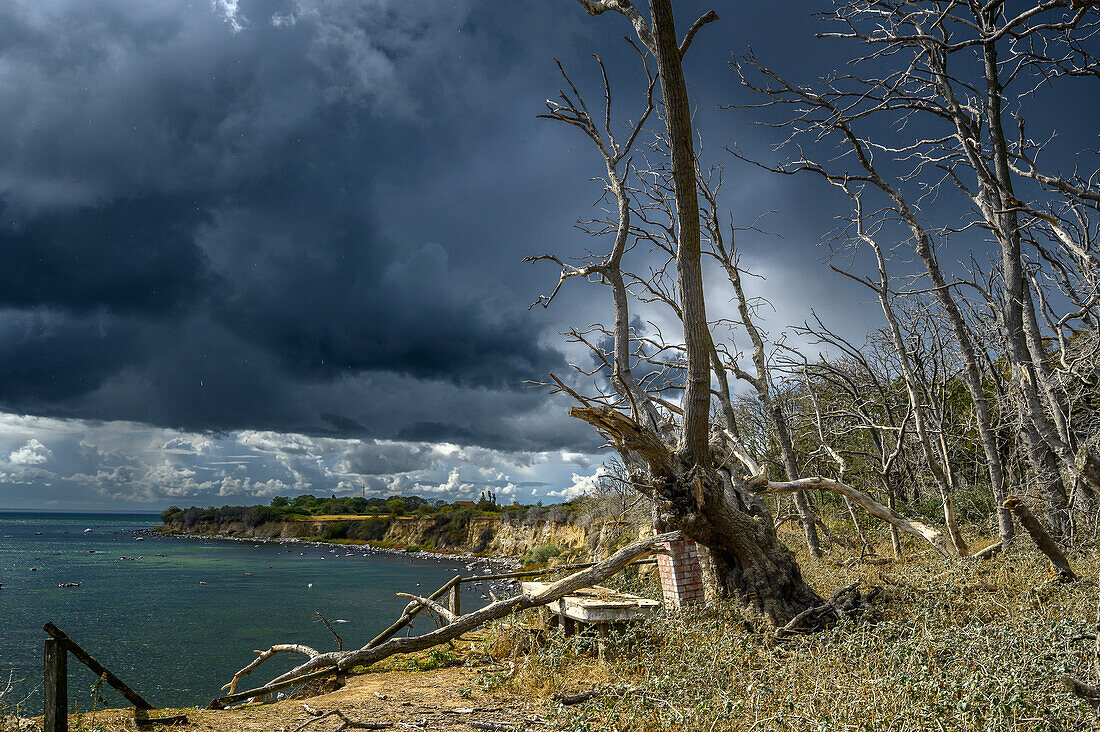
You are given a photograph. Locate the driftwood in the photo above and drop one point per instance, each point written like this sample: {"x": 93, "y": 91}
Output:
{"x": 1041, "y": 537}
{"x": 578, "y": 698}
{"x": 333, "y": 662}
{"x": 502, "y": 726}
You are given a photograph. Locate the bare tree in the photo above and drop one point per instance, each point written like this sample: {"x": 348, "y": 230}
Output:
{"x": 761, "y": 379}
{"x": 694, "y": 473}
{"x": 921, "y": 78}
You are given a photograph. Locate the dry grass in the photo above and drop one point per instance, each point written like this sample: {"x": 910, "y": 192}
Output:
{"x": 960, "y": 646}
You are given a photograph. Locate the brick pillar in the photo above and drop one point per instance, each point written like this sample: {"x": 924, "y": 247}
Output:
{"x": 681, "y": 575}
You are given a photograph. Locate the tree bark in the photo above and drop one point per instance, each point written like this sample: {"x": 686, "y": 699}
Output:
{"x": 715, "y": 509}
{"x": 689, "y": 271}
{"x": 1042, "y": 538}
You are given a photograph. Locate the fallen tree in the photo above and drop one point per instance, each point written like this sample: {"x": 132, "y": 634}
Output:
{"x": 757, "y": 482}
{"x": 321, "y": 664}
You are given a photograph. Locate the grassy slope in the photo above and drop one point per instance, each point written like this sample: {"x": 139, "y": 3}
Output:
{"x": 960, "y": 646}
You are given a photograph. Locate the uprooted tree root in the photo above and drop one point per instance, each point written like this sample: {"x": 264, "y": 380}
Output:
{"x": 846, "y": 603}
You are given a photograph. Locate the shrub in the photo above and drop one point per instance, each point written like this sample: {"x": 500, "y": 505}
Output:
{"x": 541, "y": 554}
{"x": 338, "y": 530}
{"x": 371, "y": 529}
{"x": 958, "y": 646}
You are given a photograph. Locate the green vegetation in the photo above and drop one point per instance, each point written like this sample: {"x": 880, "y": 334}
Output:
{"x": 979, "y": 646}
{"x": 541, "y": 554}
{"x": 356, "y": 520}
{"x": 451, "y": 521}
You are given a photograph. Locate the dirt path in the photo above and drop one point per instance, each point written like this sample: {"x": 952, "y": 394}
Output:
{"x": 441, "y": 699}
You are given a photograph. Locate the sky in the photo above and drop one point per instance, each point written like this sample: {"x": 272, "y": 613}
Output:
{"x": 270, "y": 247}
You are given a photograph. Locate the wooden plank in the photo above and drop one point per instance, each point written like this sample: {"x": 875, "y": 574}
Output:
{"x": 97, "y": 668}
{"x": 142, "y": 719}
{"x": 56, "y": 711}
{"x": 598, "y": 604}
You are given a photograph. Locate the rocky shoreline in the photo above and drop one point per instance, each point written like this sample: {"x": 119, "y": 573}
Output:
{"x": 461, "y": 536}
{"x": 502, "y": 562}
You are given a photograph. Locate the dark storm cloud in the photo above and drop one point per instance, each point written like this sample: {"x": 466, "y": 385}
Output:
{"x": 308, "y": 216}
{"x": 136, "y": 255}
{"x": 190, "y": 231}
{"x": 48, "y": 359}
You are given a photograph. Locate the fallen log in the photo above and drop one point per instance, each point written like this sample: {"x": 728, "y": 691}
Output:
{"x": 910, "y": 526}
{"x": 1041, "y": 537}
{"x": 578, "y": 698}
{"x": 333, "y": 662}
{"x": 989, "y": 552}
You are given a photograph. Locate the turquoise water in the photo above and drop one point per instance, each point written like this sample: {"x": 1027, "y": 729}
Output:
{"x": 148, "y": 618}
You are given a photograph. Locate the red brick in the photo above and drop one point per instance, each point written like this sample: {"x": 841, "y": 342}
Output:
{"x": 681, "y": 579}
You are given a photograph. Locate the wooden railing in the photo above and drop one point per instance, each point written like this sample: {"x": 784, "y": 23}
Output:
{"x": 55, "y": 713}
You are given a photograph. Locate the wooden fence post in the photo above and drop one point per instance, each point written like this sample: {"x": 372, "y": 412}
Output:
{"x": 454, "y": 602}
{"x": 56, "y": 710}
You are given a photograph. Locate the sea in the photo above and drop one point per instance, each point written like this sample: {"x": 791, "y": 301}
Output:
{"x": 175, "y": 617}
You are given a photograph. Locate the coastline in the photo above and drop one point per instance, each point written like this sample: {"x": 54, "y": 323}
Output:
{"x": 364, "y": 547}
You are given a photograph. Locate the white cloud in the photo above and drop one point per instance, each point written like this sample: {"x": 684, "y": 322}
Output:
{"x": 231, "y": 11}
{"x": 127, "y": 464}
{"x": 582, "y": 485}
{"x": 32, "y": 452}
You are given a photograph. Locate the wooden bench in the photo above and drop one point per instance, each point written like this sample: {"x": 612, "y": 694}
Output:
{"x": 595, "y": 606}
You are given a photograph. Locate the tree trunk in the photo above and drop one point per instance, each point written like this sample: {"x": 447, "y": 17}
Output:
{"x": 750, "y": 564}
{"x": 760, "y": 573}
{"x": 748, "y": 561}
{"x": 689, "y": 270}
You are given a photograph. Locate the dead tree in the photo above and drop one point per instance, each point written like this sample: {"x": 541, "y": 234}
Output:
{"x": 672, "y": 453}
{"x": 961, "y": 140}
{"x": 761, "y": 378}
{"x": 934, "y": 459}
{"x": 870, "y": 405}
